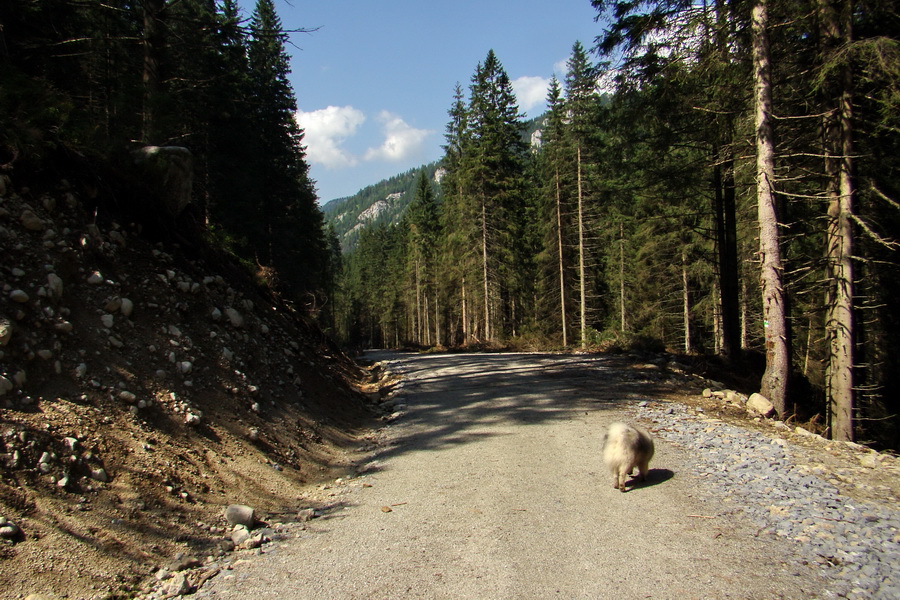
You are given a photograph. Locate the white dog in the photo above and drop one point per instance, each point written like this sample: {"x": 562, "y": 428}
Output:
{"x": 626, "y": 447}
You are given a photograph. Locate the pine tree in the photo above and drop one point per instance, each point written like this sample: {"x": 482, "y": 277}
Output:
{"x": 285, "y": 227}
{"x": 581, "y": 105}
{"x": 422, "y": 218}
{"x": 556, "y": 260}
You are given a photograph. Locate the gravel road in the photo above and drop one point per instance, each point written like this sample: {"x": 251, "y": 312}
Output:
{"x": 490, "y": 485}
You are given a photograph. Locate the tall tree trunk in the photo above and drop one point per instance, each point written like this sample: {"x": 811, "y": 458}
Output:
{"x": 465, "y": 316}
{"x": 745, "y": 317}
{"x": 437, "y": 317}
{"x": 559, "y": 248}
{"x": 417, "y": 322}
{"x": 717, "y": 318}
{"x": 778, "y": 361}
{"x": 154, "y": 44}
{"x": 727, "y": 255}
{"x": 581, "y": 268}
{"x": 484, "y": 267}
{"x": 839, "y": 322}
{"x": 686, "y": 304}
{"x": 623, "y": 324}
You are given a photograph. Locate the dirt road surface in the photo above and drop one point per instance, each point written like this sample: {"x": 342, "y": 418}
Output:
{"x": 492, "y": 486}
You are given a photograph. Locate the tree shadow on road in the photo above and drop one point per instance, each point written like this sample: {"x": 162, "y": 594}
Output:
{"x": 455, "y": 399}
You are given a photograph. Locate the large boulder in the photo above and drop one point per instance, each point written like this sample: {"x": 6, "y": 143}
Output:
{"x": 168, "y": 172}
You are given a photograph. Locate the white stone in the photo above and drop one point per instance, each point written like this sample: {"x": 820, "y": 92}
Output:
{"x": 95, "y": 278}
{"x": 185, "y": 367}
{"x": 81, "y": 370}
{"x": 127, "y": 307}
{"x": 108, "y": 320}
{"x": 760, "y": 405}
{"x": 216, "y": 314}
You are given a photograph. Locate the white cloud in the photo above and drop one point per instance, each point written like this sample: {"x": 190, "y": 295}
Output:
{"x": 530, "y": 91}
{"x": 326, "y": 130}
{"x": 401, "y": 140}
{"x": 561, "y": 69}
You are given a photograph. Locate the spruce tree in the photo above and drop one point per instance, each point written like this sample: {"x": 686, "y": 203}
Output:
{"x": 285, "y": 227}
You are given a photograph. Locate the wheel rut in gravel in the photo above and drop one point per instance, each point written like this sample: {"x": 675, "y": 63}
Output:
{"x": 489, "y": 484}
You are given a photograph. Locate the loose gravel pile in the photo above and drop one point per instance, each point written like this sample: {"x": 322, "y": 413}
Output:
{"x": 856, "y": 545}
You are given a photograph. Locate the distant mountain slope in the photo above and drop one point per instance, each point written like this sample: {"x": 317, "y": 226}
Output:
{"x": 385, "y": 201}
{"x": 382, "y": 202}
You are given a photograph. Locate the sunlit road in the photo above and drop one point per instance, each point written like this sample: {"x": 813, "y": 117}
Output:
{"x": 491, "y": 486}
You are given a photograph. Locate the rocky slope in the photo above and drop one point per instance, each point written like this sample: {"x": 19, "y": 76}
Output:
{"x": 143, "y": 388}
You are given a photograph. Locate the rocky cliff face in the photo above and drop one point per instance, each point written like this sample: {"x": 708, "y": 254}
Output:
{"x": 142, "y": 390}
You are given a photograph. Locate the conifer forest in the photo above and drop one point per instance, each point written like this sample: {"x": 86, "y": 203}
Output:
{"x": 717, "y": 178}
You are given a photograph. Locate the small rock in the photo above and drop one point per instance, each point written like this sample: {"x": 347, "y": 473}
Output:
{"x": 108, "y": 320}
{"x": 239, "y": 535}
{"x": 707, "y": 393}
{"x": 307, "y": 514}
{"x": 6, "y": 330}
{"x": 64, "y": 327}
{"x": 183, "y": 563}
{"x": 127, "y": 307}
{"x": 113, "y": 304}
{"x": 869, "y": 460}
{"x": 758, "y": 404}
{"x": 18, "y": 296}
{"x": 31, "y": 221}
{"x": 240, "y": 514}
{"x": 55, "y": 283}
{"x": 176, "y": 586}
{"x": 127, "y": 396}
{"x": 8, "y": 529}
{"x": 95, "y": 278}
{"x": 5, "y": 385}
{"x": 234, "y": 317}
{"x": 100, "y": 475}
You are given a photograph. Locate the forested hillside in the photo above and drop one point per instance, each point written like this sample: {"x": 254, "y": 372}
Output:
{"x": 379, "y": 204}
{"x": 87, "y": 84}
{"x": 736, "y": 195}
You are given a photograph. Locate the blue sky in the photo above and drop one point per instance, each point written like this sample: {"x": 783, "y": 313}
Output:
{"x": 375, "y": 81}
